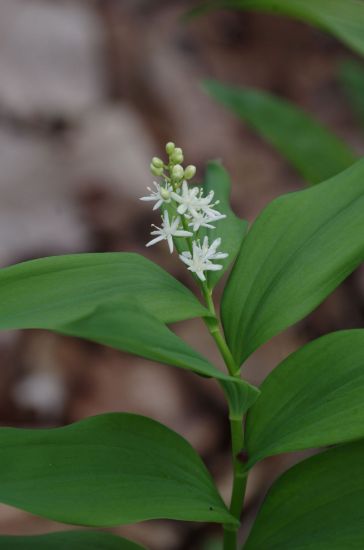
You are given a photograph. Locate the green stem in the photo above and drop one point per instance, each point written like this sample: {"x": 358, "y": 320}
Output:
{"x": 236, "y": 428}
{"x": 239, "y": 483}
{"x": 213, "y": 326}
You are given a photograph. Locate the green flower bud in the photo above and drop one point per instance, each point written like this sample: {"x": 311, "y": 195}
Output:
{"x": 156, "y": 171}
{"x": 170, "y": 147}
{"x": 177, "y": 172}
{"x": 157, "y": 162}
{"x": 190, "y": 171}
{"x": 177, "y": 156}
{"x": 165, "y": 194}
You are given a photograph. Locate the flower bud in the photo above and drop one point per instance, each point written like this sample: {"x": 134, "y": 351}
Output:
{"x": 170, "y": 147}
{"x": 177, "y": 156}
{"x": 165, "y": 194}
{"x": 157, "y": 162}
{"x": 156, "y": 171}
{"x": 190, "y": 171}
{"x": 177, "y": 172}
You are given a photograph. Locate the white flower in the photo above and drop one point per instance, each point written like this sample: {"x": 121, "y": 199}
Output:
{"x": 161, "y": 195}
{"x": 203, "y": 220}
{"x": 200, "y": 260}
{"x": 209, "y": 252}
{"x": 168, "y": 231}
{"x": 188, "y": 199}
{"x": 191, "y": 202}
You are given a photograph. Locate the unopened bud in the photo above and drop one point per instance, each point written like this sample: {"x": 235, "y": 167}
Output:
{"x": 170, "y": 147}
{"x": 177, "y": 156}
{"x": 165, "y": 194}
{"x": 156, "y": 171}
{"x": 190, "y": 171}
{"x": 157, "y": 162}
{"x": 177, "y": 172}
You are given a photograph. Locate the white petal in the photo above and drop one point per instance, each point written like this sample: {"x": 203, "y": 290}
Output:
{"x": 170, "y": 243}
{"x": 200, "y": 274}
{"x": 148, "y": 198}
{"x": 156, "y": 240}
{"x": 182, "y": 233}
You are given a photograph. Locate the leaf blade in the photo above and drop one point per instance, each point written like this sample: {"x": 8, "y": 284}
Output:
{"x": 50, "y": 291}
{"x": 111, "y": 469}
{"x": 317, "y": 504}
{"x": 315, "y": 152}
{"x": 351, "y": 74}
{"x": 343, "y": 19}
{"x": 128, "y": 328}
{"x": 72, "y": 540}
{"x": 312, "y": 399}
{"x": 298, "y": 250}
{"x": 231, "y": 229}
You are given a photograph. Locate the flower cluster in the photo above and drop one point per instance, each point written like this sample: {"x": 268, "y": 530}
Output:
{"x": 185, "y": 210}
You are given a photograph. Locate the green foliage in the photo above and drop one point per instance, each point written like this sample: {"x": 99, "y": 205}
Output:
{"x": 318, "y": 504}
{"x": 240, "y": 397}
{"x": 352, "y": 78}
{"x": 231, "y": 230}
{"x": 53, "y": 291}
{"x": 315, "y": 152}
{"x": 342, "y": 18}
{"x": 121, "y": 468}
{"x": 70, "y": 540}
{"x": 126, "y": 327}
{"x": 120, "y": 300}
{"x": 298, "y": 250}
{"x": 313, "y": 399}
{"x": 107, "y": 470}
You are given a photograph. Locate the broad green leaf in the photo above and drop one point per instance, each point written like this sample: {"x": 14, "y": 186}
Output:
{"x": 120, "y": 300}
{"x": 231, "y": 230}
{"x": 129, "y": 328}
{"x": 313, "y": 399}
{"x": 317, "y": 505}
{"x": 342, "y": 18}
{"x": 301, "y": 247}
{"x": 352, "y": 77}
{"x": 70, "y": 540}
{"x": 315, "y": 152}
{"x": 52, "y": 291}
{"x": 106, "y": 470}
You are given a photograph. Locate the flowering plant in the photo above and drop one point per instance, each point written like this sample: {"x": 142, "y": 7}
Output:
{"x": 121, "y": 468}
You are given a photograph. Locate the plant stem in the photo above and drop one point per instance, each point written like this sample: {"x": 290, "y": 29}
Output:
{"x": 236, "y": 428}
{"x": 215, "y": 331}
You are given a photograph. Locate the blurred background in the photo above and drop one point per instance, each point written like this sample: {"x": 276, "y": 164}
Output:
{"x": 89, "y": 92}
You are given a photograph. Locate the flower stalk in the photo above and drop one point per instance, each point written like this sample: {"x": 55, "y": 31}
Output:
{"x": 185, "y": 210}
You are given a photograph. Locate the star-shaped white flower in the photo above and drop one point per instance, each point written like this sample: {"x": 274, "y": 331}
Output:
{"x": 203, "y": 220}
{"x": 163, "y": 194}
{"x": 168, "y": 231}
{"x": 192, "y": 202}
{"x": 187, "y": 199}
{"x": 210, "y": 252}
{"x": 200, "y": 260}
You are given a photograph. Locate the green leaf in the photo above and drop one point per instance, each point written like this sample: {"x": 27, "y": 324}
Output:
{"x": 312, "y": 399}
{"x": 49, "y": 292}
{"x": 240, "y": 396}
{"x": 317, "y": 505}
{"x": 231, "y": 230}
{"x": 315, "y": 152}
{"x": 120, "y": 300}
{"x": 342, "y": 18}
{"x": 301, "y": 247}
{"x": 106, "y": 470}
{"x": 70, "y": 540}
{"x": 352, "y": 77}
{"x": 126, "y": 327}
